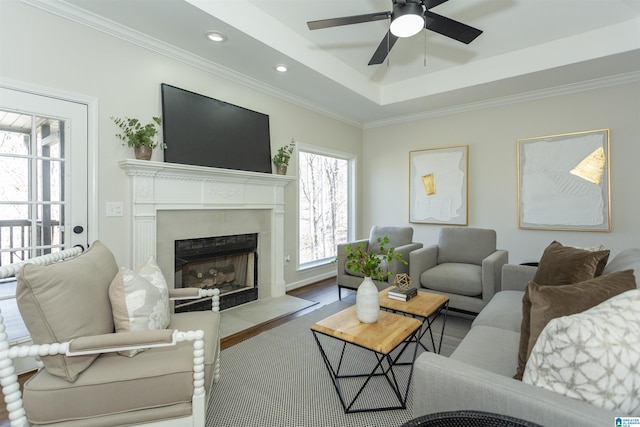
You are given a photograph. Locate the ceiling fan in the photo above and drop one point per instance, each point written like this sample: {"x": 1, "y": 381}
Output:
{"x": 408, "y": 18}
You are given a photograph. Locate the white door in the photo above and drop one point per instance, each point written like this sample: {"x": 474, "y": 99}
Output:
{"x": 43, "y": 170}
{"x": 43, "y": 186}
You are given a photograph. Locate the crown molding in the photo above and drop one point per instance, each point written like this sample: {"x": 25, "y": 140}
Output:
{"x": 98, "y": 23}
{"x": 511, "y": 99}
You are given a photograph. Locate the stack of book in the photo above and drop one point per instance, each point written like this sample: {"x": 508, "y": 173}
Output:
{"x": 402, "y": 295}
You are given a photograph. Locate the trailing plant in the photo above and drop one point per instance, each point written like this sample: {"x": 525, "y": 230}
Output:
{"x": 283, "y": 155}
{"x": 135, "y": 134}
{"x": 368, "y": 263}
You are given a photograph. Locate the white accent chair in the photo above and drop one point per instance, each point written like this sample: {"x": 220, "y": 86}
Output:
{"x": 83, "y": 381}
{"x": 399, "y": 239}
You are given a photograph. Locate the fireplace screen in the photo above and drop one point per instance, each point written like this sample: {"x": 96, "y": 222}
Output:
{"x": 227, "y": 263}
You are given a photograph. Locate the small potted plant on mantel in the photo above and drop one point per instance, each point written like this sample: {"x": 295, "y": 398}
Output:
{"x": 140, "y": 137}
{"x": 368, "y": 263}
{"x": 282, "y": 158}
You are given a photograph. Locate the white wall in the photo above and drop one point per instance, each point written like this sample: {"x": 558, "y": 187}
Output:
{"x": 491, "y": 135}
{"x": 46, "y": 50}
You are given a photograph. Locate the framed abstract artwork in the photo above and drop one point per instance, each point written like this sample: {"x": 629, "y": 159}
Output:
{"x": 438, "y": 185}
{"x": 563, "y": 182}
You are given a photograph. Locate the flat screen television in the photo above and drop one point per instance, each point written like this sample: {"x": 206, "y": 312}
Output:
{"x": 204, "y": 131}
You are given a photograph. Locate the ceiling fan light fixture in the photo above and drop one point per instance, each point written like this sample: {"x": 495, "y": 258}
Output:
{"x": 406, "y": 20}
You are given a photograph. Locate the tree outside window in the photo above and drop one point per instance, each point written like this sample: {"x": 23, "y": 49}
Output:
{"x": 323, "y": 206}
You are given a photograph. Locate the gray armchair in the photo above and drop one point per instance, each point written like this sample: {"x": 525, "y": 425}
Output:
{"x": 465, "y": 265}
{"x": 399, "y": 239}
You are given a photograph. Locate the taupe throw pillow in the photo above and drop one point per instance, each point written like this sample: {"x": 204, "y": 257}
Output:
{"x": 67, "y": 300}
{"x": 559, "y": 265}
{"x": 550, "y": 302}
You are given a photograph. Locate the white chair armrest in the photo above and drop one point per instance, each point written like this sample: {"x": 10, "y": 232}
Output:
{"x": 121, "y": 341}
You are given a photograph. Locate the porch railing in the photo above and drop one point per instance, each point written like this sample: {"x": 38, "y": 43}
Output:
{"x": 17, "y": 241}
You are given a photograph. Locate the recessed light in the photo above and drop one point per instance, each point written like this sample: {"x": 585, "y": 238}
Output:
{"x": 281, "y": 68}
{"x": 216, "y": 36}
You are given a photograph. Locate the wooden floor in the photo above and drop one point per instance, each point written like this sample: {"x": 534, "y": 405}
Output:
{"x": 323, "y": 293}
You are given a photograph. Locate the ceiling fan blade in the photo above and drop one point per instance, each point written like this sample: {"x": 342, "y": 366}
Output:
{"x": 450, "y": 28}
{"x": 383, "y": 49}
{"x": 347, "y": 20}
{"x": 428, "y": 4}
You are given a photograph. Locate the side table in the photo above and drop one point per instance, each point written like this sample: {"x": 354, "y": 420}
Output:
{"x": 390, "y": 332}
{"x": 426, "y": 306}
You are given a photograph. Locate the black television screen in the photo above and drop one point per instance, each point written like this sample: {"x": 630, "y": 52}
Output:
{"x": 204, "y": 131}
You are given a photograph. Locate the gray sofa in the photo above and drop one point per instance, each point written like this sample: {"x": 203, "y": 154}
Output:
{"x": 478, "y": 375}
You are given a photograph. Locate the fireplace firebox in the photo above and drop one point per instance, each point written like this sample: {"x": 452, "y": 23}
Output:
{"x": 227, "y": 263}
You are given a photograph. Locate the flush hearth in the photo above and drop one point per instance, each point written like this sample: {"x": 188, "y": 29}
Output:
{"x": 227, "y": 263}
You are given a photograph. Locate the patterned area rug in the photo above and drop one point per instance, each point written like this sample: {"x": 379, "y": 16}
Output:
{"x": 278, "y": 378}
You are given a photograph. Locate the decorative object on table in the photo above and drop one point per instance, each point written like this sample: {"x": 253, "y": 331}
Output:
{"x": 563, "y": 182}
{"x": 401, "y": 295}
{"x": 140, "y": 137}
{"x": 402, "y": 290}
{"x": 282, "y": 158}
{"x": 368, "y": 264}
{"x": 438, "y": 186}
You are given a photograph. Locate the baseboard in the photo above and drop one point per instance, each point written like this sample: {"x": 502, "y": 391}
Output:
{"x": 310, "y": 280}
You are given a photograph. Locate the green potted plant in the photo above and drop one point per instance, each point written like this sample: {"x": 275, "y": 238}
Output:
{"x": 368, "y": 263}
{"x": 140, "y": 137}
{"x": 282, "y": 158}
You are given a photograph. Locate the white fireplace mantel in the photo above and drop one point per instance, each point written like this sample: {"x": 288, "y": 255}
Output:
{"x": 157, "y": 186}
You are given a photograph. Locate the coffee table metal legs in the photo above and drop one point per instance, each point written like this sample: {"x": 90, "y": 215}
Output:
{"x": 380, "y": 369}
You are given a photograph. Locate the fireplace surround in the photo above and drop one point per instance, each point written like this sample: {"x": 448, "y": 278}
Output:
{"x": 171, "y": 202}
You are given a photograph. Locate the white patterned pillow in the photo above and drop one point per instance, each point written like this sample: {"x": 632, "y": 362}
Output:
{"x": 593, "y": 355}
{"x": 139, "y": 299}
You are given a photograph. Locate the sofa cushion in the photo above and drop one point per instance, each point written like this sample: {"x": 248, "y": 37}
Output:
{"x": 559, "y": 265}
{"x": 549, "y": 302}
{"x": 563, "y": 265}
{"x": 460, "y": 279}
{"x": 489, "y": 348}
{"x": 66, "y": 300}
{"x": 593, "y": 356}
{"x": 625, "y": 260}
{"x": 139, "y": 300}
{"x": 504, "y": 311}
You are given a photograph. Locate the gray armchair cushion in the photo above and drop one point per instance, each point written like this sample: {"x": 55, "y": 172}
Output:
{"x": 398, "y": 236}
{"x": 465, "y": 245}
{"x": 47, "y": 307}
{"x": 461, "y": 279}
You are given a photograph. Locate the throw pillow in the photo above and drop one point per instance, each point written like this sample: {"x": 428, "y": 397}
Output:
{"x": 593, "y": 355}
{"x": 559, "y": 265}
{"x": 549, "y": 302}
{"x": 140, "y": 300}
{"x": 66, "y": 300}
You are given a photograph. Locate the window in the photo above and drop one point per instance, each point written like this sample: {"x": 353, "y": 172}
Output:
{"x": 324, "y": 197}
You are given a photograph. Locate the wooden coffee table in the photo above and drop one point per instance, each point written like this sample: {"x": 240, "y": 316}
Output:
{"x": 390, "y": 332}
{"x": 425, "y": 306}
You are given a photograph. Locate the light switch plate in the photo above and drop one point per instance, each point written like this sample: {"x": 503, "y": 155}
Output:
{"x": 114, "y": 209}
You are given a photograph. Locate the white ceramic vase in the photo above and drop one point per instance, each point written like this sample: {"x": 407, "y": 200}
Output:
{"x": 367, "y": 301}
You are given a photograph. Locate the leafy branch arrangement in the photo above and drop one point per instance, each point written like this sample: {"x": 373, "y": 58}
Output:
{"x": 135, "y": 134}
{"x": 283, "y": 155}
{"x": 368, "y": 263}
